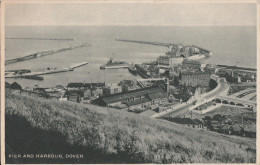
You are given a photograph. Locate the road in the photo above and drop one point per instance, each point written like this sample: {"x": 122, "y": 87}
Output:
{"x": 219, "y": 90}
{"x": 178, "y": 109}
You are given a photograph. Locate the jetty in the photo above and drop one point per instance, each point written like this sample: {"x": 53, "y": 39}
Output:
{"x": 43, "y": 53}
{"x": 33, "y": 74}
{"x": 237, "y": 68}
{"x": 145, "y": 42}
{"x": 78, "y": 65}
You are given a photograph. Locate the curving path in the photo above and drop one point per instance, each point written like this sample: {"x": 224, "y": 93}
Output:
{"x": 221, "y": 89}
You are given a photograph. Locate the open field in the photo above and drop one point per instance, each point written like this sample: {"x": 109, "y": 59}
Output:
{"x": 106, "y": 135}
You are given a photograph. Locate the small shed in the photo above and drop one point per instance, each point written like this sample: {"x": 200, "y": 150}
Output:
{"x": 193, "y": 123}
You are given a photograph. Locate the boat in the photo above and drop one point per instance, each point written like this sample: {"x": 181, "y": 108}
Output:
{"x": 111, "y": 64}
{"x": 132, "y": 70}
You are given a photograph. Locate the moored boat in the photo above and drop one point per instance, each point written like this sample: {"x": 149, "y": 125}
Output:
{"x": 132, "y": 70}
{"x": 111, "y": 64}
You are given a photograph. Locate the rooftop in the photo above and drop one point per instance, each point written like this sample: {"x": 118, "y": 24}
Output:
{"x": 185, "y": 121}
{"x": 194, "y": 72}
{"x": 186, "y": 61}
{"x": 163, "y": 57}
{"x": 138, "y": 101}
{"x": 124, "y": 96}
{"x": 157, "y": 95}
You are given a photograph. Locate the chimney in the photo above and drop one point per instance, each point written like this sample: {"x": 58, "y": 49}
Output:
{"x": 167, "y": 85}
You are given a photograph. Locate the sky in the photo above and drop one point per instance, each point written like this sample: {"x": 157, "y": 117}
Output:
{"x": 131, "y": 14}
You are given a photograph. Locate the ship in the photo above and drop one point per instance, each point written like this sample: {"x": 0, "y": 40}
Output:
{"x": 132, "y": 70}
{"x": 111, "y": 64}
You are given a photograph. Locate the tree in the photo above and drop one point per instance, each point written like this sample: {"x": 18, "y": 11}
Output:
{"x": 209, "y": 125}
{"x": 207, "y": 118}
{"x": 7, "y": 85}
{"x": 212, "y": 84}
{"x": 16, "y": 86}
{"x": 217, "y": 117}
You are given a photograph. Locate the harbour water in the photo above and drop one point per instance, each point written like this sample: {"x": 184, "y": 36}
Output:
{"x": 230, "y": 46}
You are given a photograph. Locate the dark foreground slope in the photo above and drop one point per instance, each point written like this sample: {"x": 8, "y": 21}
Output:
{"x": 37, "y": 126}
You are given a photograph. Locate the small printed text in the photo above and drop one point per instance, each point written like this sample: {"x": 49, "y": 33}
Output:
{"x": 46, "y": 156}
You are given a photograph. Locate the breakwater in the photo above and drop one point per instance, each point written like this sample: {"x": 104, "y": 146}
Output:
{"x": 35, "y": 75}
{"x": 26, "y": 75}
{"x": 43, "y": 53}
{"x": 145, "y": 42}
{"x": 237, "y": 67}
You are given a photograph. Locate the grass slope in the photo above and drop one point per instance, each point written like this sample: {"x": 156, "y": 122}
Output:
{"x": 35, "y": 125}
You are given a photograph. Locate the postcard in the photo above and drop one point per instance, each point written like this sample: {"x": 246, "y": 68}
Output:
{"x": 128, "y": 82}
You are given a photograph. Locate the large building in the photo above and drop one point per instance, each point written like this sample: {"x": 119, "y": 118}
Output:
{"x": 195, "y": 79}
{"x": 112, "y": 89}
{"x": 79, "y": 85}
{"x": 193, "y": 64}
{"x": 128, "y": 85}
{"x": 140, "y": 98}
{"x": 182, "y": 50}
{"x": 169, "y": 61}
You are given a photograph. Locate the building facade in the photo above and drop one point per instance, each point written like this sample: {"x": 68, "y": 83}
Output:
{"x": 112, "y": 89}
{"x": 195, "y": 79}
{"x": 193, "y": 64}
{"x": 169, "y": 61}
{"x": 140, "y": 98}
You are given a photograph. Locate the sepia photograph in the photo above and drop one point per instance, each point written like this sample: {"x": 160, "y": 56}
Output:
{"x": 129, "y": 82}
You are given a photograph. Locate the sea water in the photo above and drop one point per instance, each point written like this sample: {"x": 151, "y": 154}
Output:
{"x": 230, "y": 46}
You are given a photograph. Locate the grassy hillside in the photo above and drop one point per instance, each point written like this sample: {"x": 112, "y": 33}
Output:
{"x": 104, "y": 135}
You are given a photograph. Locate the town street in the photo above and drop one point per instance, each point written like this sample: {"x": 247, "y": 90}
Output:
{"x": 178, "y": 109}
